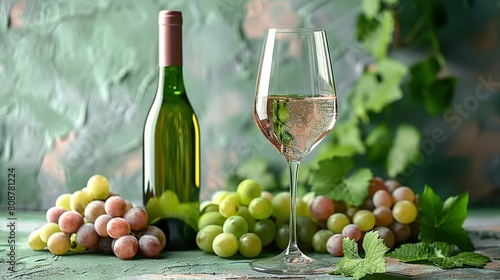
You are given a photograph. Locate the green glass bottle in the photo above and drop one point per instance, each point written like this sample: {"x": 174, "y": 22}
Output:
{"x": 171, "y": 151}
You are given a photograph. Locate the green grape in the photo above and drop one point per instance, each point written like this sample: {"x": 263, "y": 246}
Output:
{"x": 210, "y": 218}
{"x": 47, "y": 230}
{"x": 364, "y": 219}
{"x": 319, "y": 240}
{"x": 98, "y": 187}
{"x": 79, "y": 200}
{"x": 205, "y": 237}
{"x": 250, "y": 245}
{"x": 260, "y": 208}
{"x": 228, "y": 207}
{"x": 306, "y": 228}
{"x": 218, "y": 196}
{"x": 225, "y": 245}
{"x": 303, "y": 208}
{"x": 243, "y": 212}
{"x": 282, "y": 237}
{"x": 266, "y": 231}
{"x": 267, "y": 195}
{"x": 35, "y": 242}
{"x": 404, "y": 211}
{"x": 63, "y": 201}
{"x": 336, "y": 222}
{"x": 74, "y": 245}
{"x": 281, "y": 205}
{"x": 58, "y": 243}
{"x": 236, "y": 225}
{"x": 248, "y": 190}
{"x": 208, "y": 206}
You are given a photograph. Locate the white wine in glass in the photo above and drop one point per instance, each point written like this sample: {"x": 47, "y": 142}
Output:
{"x": 295, "y": 108}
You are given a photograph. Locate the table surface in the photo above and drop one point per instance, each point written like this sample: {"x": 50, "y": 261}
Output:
{"x": 483, "y": 227}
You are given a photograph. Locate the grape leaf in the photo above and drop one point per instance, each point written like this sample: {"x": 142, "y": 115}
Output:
{"x": 378, "y": 142}
{"x": 438, "y": 253}
{"x": 353, "y": 265}
{"x": 377, "y": 43}
{"x": 404, "y": 150}
{"x": 443, "y": 221}
{"x": 330, "y": 179}
{"x": 370, "y": 8}
{"x": 346, "y": 138}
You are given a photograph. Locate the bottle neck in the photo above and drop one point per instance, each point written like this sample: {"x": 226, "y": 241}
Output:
{"x": 173, "y": 84}
{"x": 170, "y": 56}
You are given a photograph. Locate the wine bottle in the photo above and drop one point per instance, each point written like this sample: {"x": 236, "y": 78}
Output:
{"x": 171, "y": 151}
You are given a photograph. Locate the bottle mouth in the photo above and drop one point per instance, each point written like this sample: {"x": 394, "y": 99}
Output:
{"x": 168, "y": 17}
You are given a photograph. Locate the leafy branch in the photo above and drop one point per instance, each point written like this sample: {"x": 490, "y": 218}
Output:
{"x": 368, "y": 130}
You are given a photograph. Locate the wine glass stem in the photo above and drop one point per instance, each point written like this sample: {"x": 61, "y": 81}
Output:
{"x": 294, "y": 166}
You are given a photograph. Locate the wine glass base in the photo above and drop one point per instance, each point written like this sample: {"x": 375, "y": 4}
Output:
{"x": 291, "y": 264}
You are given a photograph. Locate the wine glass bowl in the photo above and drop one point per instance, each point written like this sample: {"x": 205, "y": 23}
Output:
{"x": 295, "y": 108}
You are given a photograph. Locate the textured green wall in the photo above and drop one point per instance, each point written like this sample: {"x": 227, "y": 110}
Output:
{"x": 77, "y": 79}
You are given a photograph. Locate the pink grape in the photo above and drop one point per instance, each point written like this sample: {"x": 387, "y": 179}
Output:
{"x": 115, "y": 206}
{"x": 401, "y": 232}
{"x": 70, "y": 221}
{"x": 93, "y": 210}
{"x": 403, "y": 193}
{"x": 126, "y": 247}
{"x": 53, "y": 214}
{"x": 322, "y": 207}
{"x": 387, "y": 235}
{"x": 105, "y": 244}
{"x": 383, "y": 216}
{"x": 101, "y": 224}
{"x": 150, "y": 246}
{"x": 156, "y": 231}
{"x": 137, "y": 218}
{"x": 334, "y": 245}
{"x": 375, "y": 185}
{"x": 352, "y": 231}
{"x": 382, "y": 198}
{"x": 392, "y": 185}
{"x": 86, "y": 235}
{"x": 117, "y": 227}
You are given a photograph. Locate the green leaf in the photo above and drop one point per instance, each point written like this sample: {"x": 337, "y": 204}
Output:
{"x": 438, "y": 95}
{"x": 438, "y": 253}
{"x": 353, "y": 265}
{"x": 346, "y": 140}
{"x": 404, "y": 150}
{"x": 471, "y": 259}
{"x": 377, "y": 43}
{"x": 372, "y": 95}
{"x": 330, "y": 179}
{"x": 378, "y": 143}
{"x": 365, "y": 27}
{"x": 414, "y": 252}
{"x": 424, "y": 72}
{"x": 443, "y": 221}
{"x": 370, "y": 8}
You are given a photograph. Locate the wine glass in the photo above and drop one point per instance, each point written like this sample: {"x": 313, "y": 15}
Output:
{"x": 295, "y": 108}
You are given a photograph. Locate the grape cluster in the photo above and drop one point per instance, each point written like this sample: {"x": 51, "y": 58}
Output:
{"x": 249, "y": 219}
{"x": 95, "y": 219}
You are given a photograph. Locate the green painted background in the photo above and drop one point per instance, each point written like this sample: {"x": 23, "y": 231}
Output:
{"x": 77, "y": 79}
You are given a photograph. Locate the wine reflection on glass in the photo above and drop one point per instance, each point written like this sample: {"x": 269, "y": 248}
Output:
{"x": 295, "y": 108}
